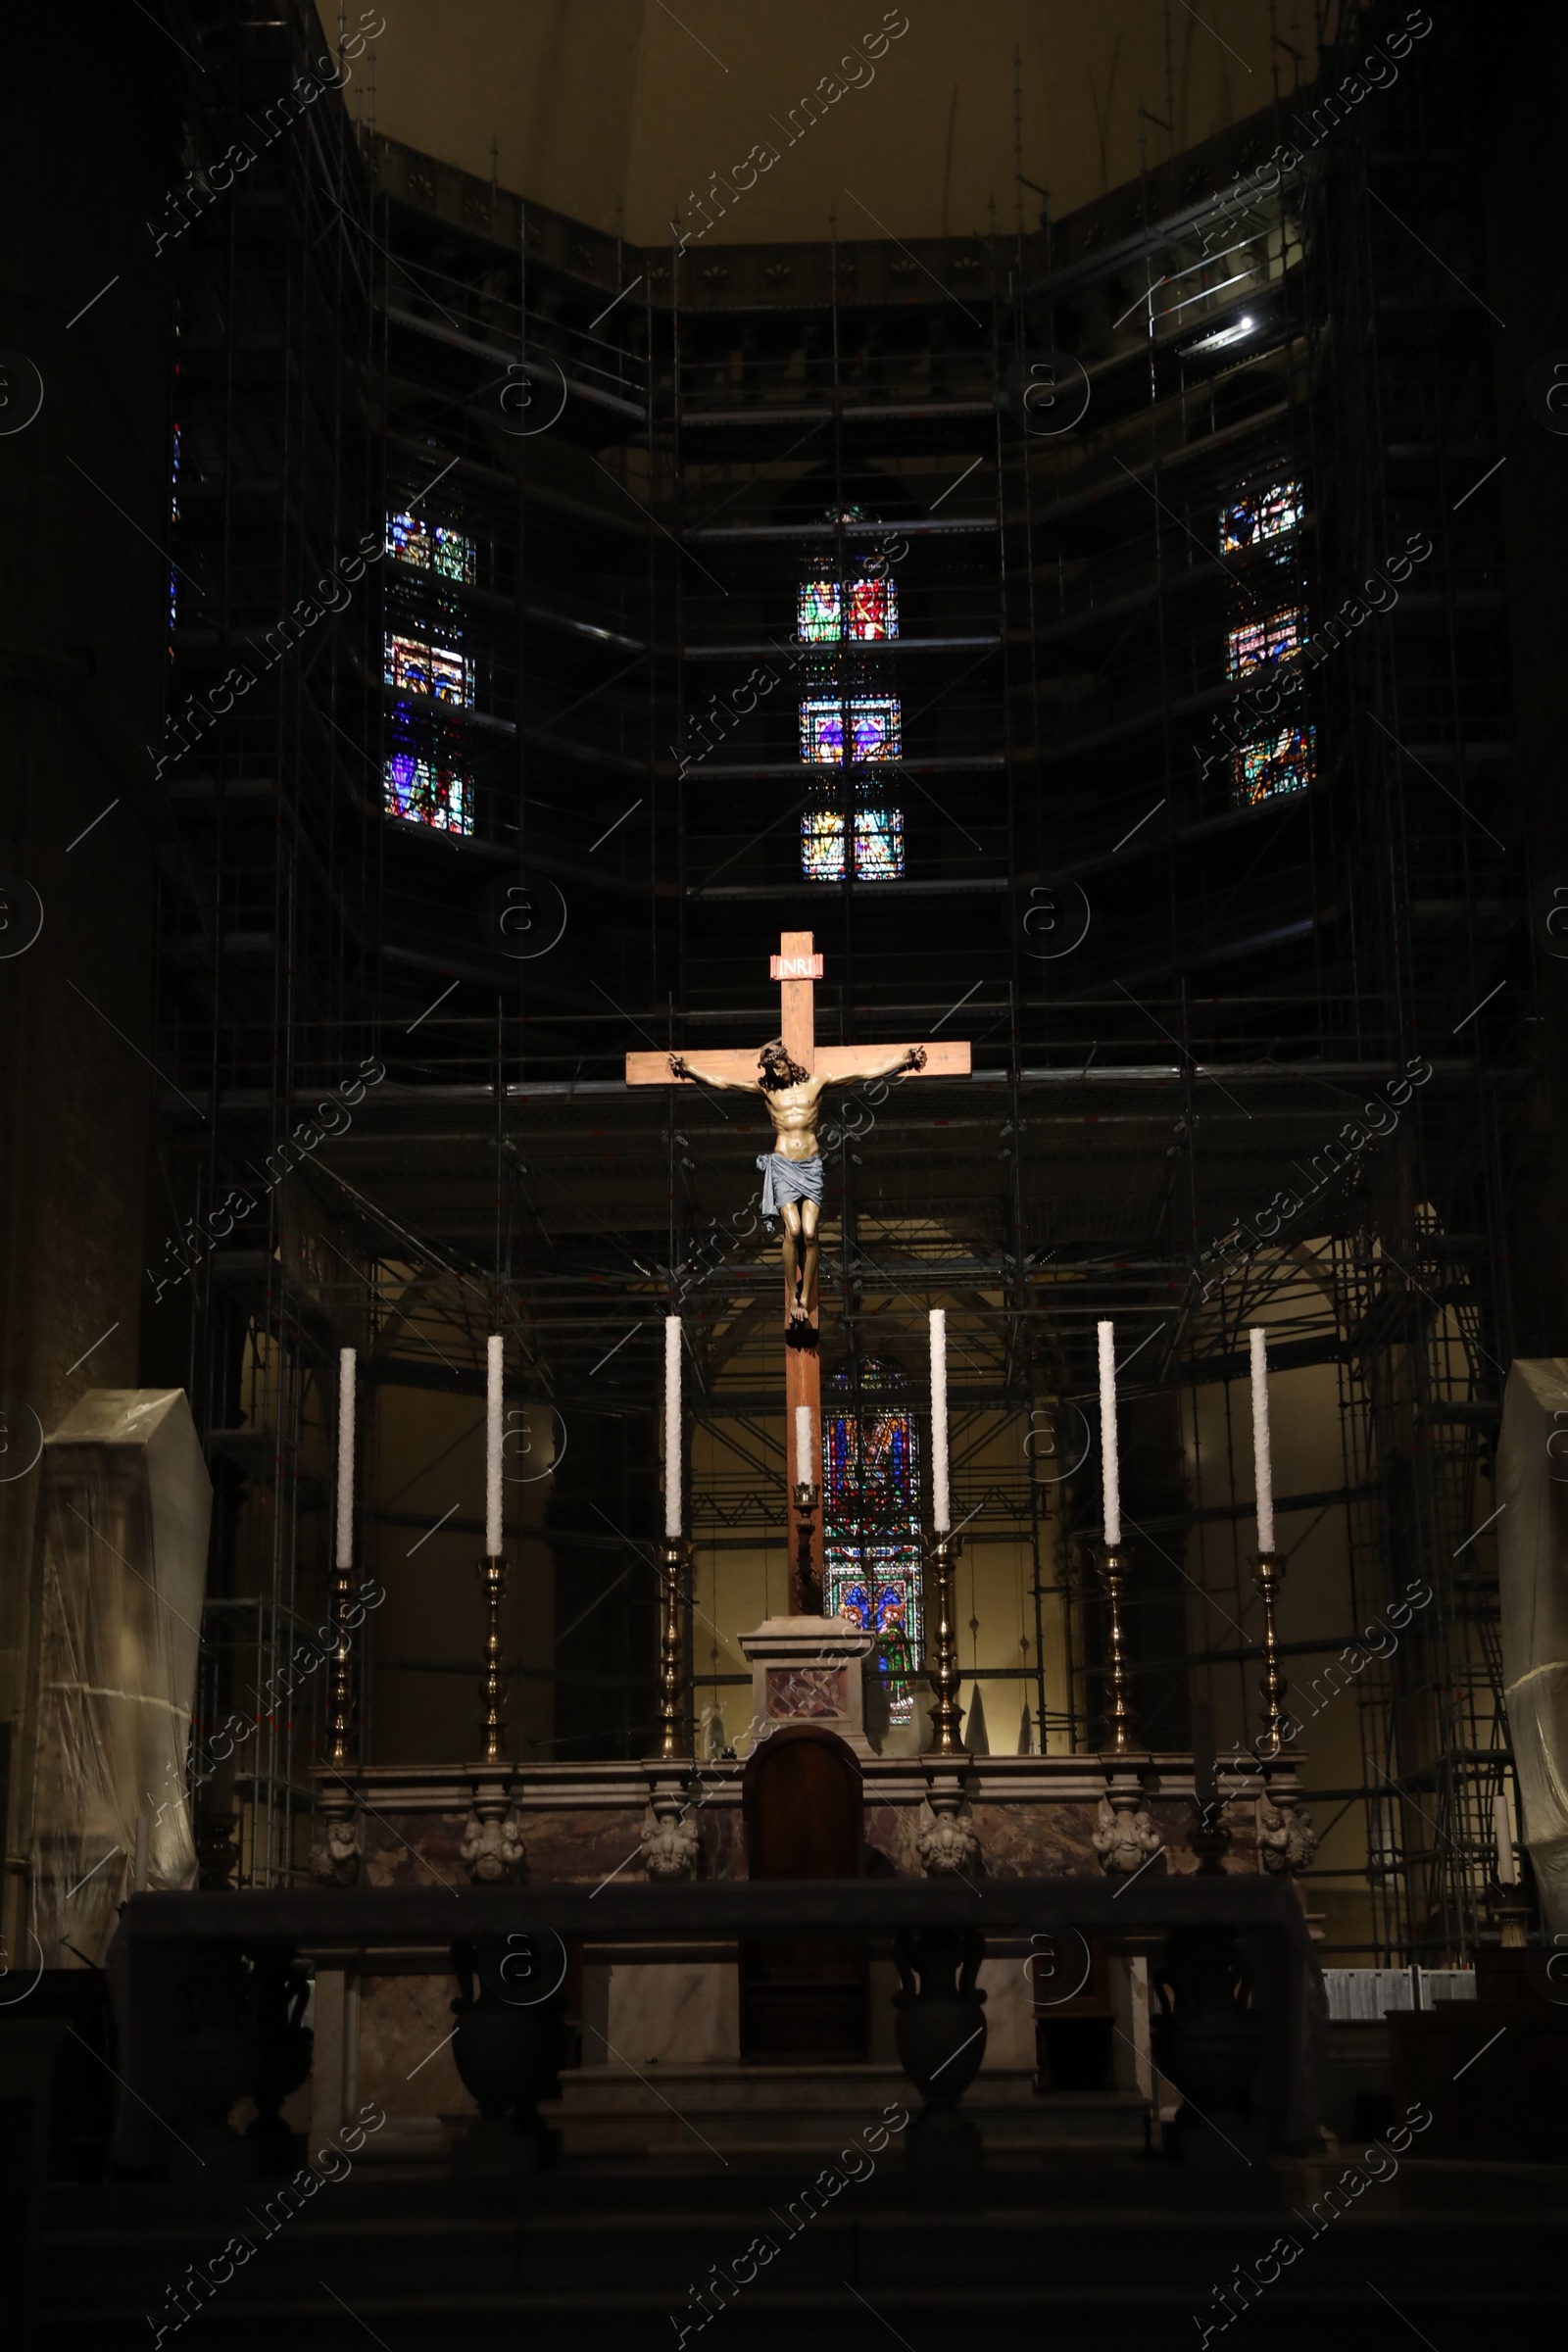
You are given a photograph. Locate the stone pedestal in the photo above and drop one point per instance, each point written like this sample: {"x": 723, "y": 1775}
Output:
{"x": 807, "y": 1670}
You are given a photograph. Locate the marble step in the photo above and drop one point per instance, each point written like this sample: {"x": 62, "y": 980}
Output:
{"x": 421, "y": 2271}
{"x": 614, "y": 2111}
{"x": 562, "y": 2251}
{"x": 1126, "y": 2314}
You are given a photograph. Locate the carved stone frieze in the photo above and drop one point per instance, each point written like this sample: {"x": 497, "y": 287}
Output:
{"x": 670, "y": 1845}
{"x": 946, "y": 1842}
{"x": 1125, "y": 1836}
{"x": 335, "y": 1847}
{"x": 492, "y": 1849}
{"x": 1286, "y": 1838}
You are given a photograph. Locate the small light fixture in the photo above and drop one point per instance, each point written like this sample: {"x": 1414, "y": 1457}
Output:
{"x": 1223, "y": 338}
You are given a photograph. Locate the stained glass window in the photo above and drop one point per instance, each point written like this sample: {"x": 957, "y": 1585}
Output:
{"x": 174, "y": 517}
{"x": 1259, "y": 644}
{"x": 873, "y": 611}
{"x": 453, "y": 554}
{"x": 440, "y": 670}
{"x": 875, "y": 727}
{"x": 822, "y": 729}
{"x": 878, "y": 845}
{"x": 842, "y": 723}
{"x": 433, "y": 546}
{"x": 1259, "y": 516}
{"x": 1280, "y": 763}
{"x": 821, "y": 620}
{"x": 429, "y": 791}
{"x": 822, "y": 844}
{"x": 872, "y": 1523}
{"x": 441, "y": 798}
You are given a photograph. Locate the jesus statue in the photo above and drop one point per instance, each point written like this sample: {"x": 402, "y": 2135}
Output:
{"x": 792, "y": 1172}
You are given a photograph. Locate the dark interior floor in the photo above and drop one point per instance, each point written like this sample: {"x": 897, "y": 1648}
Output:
{"x": 1112, "y": 2255}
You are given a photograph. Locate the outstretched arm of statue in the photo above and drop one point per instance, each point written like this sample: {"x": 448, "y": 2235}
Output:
{"x": 890, "y": 1062}
{"x": 682, "y": 1065}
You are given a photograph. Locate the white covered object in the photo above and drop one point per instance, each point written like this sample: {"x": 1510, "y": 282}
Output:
{"x": 1533, "y": 1568}
{"x": 123, "y": 1514}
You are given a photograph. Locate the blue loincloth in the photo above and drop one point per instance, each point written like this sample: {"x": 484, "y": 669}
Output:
{"x": 788, "y": 1180}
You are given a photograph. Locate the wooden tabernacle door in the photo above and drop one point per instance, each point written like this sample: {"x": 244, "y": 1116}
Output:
{"x": 804, "y": 1818}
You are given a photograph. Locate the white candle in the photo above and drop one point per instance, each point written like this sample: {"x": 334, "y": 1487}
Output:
{"x": 941, "y": 1506}
{"x": 345, "y": 1458}
{"x": 1507, "y": 1875}
{"x": 1109, "y": 1469}
{"x": 1262, "y": 1464}
{"x": 673, "y": 1425}
{"x": 805, "y": 1466}
{"x": 495, "y": 1367}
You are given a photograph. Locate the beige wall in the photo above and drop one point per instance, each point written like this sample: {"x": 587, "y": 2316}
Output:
{"x": 736, "y": 1589}
{"x": 614, "y": 110}
{"x": 430, "y": 1456}
{"x": 1315, "y": 1604}
{"x": 82, "y": 632}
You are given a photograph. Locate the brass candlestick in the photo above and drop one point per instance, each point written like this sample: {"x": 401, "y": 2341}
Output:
{"x": 1114, "y": 1561}
{"x": 808, "y": 1588}
{"x": 1268, "y": 1575}
{"x": 340, "y": 1701}
{"x": 492, "y": 1721}
{"x": 947, "y": 1716}
{"x": 1286, "y": 1838}
{"x": 1508, "y": 1908}
{"x": 674, "y": 1577}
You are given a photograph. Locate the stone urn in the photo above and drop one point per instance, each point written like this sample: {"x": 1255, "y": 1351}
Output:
{"x": 279, "y": 1991}
{"x": 214, "y": 2058}
{"x": 940, "y": 2031}
{"x": 507, "y": 2058}
{"x": 1206, "y": 2042}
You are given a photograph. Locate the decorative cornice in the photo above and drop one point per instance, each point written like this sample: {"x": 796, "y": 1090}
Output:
{"x": 617, "y": 1786}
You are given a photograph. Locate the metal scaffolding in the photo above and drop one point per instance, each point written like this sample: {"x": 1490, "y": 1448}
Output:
{"x": 265, "y": 888}
{"x": 1078, "y": 754}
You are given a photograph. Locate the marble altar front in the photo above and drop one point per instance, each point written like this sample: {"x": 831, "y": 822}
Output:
{"x": 383, "y": 2019}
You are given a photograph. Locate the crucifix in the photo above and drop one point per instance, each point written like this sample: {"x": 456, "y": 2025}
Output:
{"x": 790, "y": 1074}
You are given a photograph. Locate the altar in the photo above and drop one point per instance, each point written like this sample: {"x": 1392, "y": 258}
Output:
{"x": 385, "y": 1959}
{"x": 382, "y": 2018}
{"x": 772, "y": 2032}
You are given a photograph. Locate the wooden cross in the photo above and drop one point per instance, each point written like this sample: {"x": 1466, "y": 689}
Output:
{"x": 797, "y": 967}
